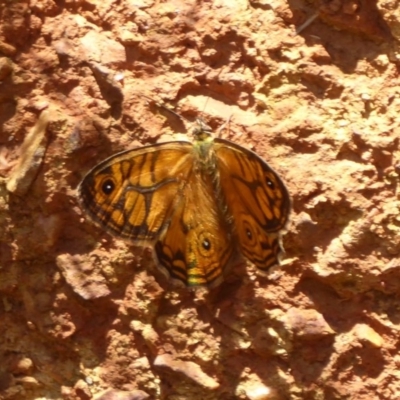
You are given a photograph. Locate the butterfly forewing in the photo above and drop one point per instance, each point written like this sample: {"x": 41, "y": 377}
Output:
{"x": 256, "y": 198}
{"x": 132, "y": 194}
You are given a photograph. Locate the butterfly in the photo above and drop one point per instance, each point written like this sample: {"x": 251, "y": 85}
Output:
{"x": 202, "y": 206}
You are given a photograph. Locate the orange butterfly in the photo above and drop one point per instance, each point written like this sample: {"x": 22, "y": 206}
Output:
{"x": 201, "y": 205}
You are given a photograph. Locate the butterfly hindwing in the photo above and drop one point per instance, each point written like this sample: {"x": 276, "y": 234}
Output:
{"x": 197, "y": 247}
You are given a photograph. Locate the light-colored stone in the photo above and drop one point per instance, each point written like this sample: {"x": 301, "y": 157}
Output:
{"x": 82, "y": 276}
{"x": 187, "y": 368}
{"x": 114, "y": 394}
{"x": 365, "y": 334}
{"x": 307, "y": 324}
{"x": 100, "y": 48}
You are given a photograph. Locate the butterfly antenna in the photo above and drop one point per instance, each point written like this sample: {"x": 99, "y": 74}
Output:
{"x": 205, "y": 106}
{"x": 181, "y": 117}
{"x": 201, "y": 130}
{"x": 222, "y": 127}
{"x": 308, "y": 22}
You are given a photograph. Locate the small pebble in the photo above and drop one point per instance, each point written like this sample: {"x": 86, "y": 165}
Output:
{"x": 187, "y": 368}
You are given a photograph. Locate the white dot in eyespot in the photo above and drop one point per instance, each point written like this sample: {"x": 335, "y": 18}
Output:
{"x": 206, "y": 244}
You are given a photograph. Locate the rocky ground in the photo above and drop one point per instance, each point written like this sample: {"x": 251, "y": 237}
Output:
{"x": 84, "y": 315}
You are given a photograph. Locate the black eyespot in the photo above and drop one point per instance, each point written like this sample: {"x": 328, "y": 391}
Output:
{"x": 108, "y": 186}
{"x": 270, "y": 183}
{"x": 206, "y": 244}
{"x": 249, "y": 234}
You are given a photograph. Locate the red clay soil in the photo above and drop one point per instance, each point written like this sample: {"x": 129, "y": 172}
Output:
{"x": 87, "y": 316}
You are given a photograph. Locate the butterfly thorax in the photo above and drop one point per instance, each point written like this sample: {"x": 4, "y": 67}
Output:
{"x": 206, "y": 161}
{"x": 204, "y": 149}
